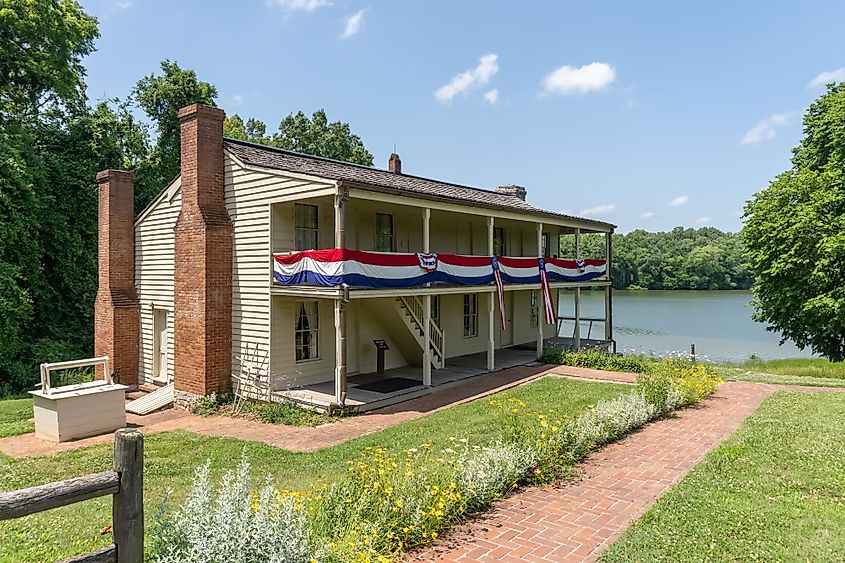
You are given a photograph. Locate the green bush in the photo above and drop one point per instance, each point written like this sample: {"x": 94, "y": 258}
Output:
{"x": 598, "y": 359}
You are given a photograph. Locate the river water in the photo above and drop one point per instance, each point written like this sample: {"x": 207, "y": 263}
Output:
{"x": 664, "y": 323}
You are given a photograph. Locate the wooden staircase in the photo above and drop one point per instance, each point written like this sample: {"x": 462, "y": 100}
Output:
{"x": 412, "y": 313}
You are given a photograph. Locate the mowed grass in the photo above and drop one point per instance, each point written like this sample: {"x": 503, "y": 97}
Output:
{"x": 814, "y": 367}
{"x": 811, "y": 372}
{"x": 774, "y": 491}
{"x": 170, "y": 459}
{"x": 16, "y": 417}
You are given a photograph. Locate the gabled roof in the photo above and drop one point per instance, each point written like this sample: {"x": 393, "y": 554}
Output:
{"x": 367, "y": 177}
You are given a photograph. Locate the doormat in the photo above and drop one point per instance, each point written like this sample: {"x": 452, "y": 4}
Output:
{"x": 389, "y": 385}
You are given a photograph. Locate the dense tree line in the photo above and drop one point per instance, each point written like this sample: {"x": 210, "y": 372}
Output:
{"x": 53, "y": 142}
{"x": 683, "y": 258}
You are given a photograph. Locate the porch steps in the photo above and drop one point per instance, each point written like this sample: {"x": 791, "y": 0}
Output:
{"x": 150, "y": 402}
{"x": 411, "y": 312}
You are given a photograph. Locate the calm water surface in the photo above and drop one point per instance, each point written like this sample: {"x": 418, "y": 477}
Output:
{"x": 666, "y": 322}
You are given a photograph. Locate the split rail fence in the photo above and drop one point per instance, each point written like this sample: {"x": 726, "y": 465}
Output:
{"x": 126, "y": 485}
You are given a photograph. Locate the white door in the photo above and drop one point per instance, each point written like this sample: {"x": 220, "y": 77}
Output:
{"x": 160, "y": 344}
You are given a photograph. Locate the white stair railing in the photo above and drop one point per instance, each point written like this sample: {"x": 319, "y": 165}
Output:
{"x": 415, "y": 308}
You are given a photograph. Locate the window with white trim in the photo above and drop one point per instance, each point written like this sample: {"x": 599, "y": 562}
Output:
{"x": 307, "y": 340}
{"x": 470, "y": 315}
{"x": 306, "y": 227}
{"x": 385, "y": 241}
{"x": 535, "y": 310}
{"x": 435, "y": 309}
{"x": 499, "y": 248}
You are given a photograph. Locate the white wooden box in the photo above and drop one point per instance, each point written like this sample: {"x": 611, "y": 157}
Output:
{"x": 78, "y": 411}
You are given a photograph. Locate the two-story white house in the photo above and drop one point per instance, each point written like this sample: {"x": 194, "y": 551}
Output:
{"x": 341, "y": 284}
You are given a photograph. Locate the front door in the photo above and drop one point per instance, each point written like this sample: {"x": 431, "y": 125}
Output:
{"x": 160, "y": 344}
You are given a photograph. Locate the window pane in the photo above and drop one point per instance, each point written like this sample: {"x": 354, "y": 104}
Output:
{"x": 307, "y": 333}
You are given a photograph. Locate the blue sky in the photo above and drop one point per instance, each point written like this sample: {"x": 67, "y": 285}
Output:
{"x": 645, "y": 114}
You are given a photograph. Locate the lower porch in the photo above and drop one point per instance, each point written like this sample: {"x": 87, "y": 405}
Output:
{"x": 373, "y": 390}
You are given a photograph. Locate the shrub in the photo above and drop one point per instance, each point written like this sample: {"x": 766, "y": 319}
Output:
{"x": 598, "y": 359}
{"x": 395, "y": 500}
{"x": 494, "y": 471}
{"x": 611, "y": 419}
{"x": 676, "y": 383}
{"x": 233, "y": 524}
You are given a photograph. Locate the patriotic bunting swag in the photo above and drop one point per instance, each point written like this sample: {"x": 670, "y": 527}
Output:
{"x": 357, "y": 268}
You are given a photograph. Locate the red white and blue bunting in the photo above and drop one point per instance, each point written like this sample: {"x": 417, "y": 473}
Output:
{"x": 356, "y": 268}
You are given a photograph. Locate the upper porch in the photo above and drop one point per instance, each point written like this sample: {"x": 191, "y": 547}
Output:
{"x": 376, "y": 243}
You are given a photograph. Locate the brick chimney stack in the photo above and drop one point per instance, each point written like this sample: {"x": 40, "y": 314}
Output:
{"x": 513, "y": 190}
{"x": 203, "y": 250}
{"x": 116, "y": 308}
{"x": 395, "y": 163}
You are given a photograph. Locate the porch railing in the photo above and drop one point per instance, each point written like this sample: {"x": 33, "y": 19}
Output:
{"x": 416, "y": 308}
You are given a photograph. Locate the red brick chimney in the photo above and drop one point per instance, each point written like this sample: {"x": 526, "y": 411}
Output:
{"x": 116, "y": 307}
{"x": 395, "y": 163}
{"x": 203, "y": 271}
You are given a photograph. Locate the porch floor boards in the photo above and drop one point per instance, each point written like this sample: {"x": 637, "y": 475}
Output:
{"x": 321, "y": 395}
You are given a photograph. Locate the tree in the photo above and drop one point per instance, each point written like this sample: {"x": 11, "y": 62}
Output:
{"x": 41, "y": 48}
{"x": 795, "y": 236}
{"x": 318, "y": 137}
{"x": 161, "y": 97}
{"x": 253, "y": 130}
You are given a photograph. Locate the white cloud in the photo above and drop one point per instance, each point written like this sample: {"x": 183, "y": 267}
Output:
{"x": 579, "y": 80}
{"x": 238, "y": 99}
{"x": 603, "y": 209}
{"x": 492, "y": 96}
{"x": 827, "y": 77}
{"x": 124, "y": 4}
{"x": 469, "y": 80}
{"x": 765, "y": 129}
{"x": 678, "y": 201}
{"x": 353, "y": 24}
{"x": 647, "y": 215}
{"x": 299, "y": 5}
{"x": 703, "y": 221}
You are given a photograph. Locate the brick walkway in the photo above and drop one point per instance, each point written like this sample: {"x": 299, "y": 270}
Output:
{"x": 579, "y": 520}
{"x": 295, "y": 438}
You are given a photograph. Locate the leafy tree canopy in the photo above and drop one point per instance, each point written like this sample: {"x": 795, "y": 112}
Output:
{"x": 41, "y": 49}
{"x": 160, "y": 97}
{"x": 297, "y": 132}
{"x": 795, "y": 236}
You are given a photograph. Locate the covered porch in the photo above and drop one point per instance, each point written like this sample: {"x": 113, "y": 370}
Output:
{"x": 374, "y": 390}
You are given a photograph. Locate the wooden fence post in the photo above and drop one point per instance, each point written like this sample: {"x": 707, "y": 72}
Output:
{"x": 128, "y": 502}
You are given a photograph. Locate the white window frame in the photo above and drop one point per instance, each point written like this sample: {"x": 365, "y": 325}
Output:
{"x": 313, "y": 332}
{"x": 535, "y": 308}
{"x": 381, "y": 237}
{"x": 435, "y": 309}
{"x": 470, "y": 315}
{"x": 303, "y": 232}
{"x": 500, "y": 246}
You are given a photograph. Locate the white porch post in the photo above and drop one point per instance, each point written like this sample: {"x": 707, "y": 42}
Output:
{"x": 541, "y": 318}
{"x": 608, "y": 291}
{"x": 340, "y": 303}
{"x": 577, "y": 294}
{"x": 427, "y": 304}
{"x": 491, "y": 307}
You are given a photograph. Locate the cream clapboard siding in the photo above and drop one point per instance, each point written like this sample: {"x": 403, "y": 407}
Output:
{"x": 154, "y": 263}
{"x": 248, "y": 196}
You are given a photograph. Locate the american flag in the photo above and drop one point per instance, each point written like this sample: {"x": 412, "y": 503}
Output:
{"x": 500, "y": 290}
{"x": 548, "y": 304}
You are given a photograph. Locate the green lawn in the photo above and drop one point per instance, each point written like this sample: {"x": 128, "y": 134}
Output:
{"x": 170, "y": 459}
{"x": 15, "y": 417}
{"x": 813, "y": 372}
{"x": 774, "y": 491}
